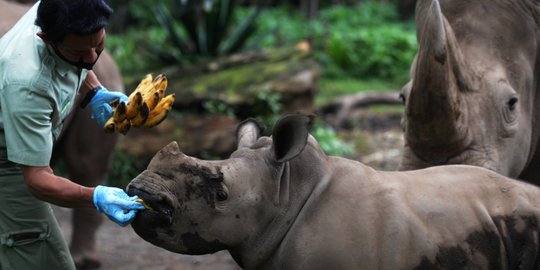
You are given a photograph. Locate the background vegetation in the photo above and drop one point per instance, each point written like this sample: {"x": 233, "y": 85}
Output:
{"x": 365, "y": 42}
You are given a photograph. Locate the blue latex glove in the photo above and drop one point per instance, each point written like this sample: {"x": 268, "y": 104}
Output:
{"x": 116, "y": 204}
{"x": 100, "y": 104}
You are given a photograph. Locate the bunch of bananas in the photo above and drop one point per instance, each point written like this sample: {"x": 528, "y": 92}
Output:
{"x": 147, "y": 106}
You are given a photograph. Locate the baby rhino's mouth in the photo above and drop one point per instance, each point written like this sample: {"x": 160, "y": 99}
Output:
{"x": 152, "y": 202}
{"x": 158, "y": 213}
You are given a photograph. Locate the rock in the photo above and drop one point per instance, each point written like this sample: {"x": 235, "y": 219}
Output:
{"x": 353, "y": 111}
{"x": 208, "y": 136}
{"x": 238, "y": 82}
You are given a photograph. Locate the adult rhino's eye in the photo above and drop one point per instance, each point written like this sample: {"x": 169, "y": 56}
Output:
{"x": 222, "y": 195}
{"x": 512, "y": 103}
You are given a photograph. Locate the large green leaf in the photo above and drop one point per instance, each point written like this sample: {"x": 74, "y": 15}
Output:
{"x": 165, "y": 19}
{"x": 203, "y": 29}
{"x": 242, "y": 33}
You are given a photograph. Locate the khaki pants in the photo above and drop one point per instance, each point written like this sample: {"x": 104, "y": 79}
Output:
{"x": 30, "y": 238}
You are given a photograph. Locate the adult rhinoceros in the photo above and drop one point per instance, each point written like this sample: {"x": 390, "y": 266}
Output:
{"x": 474, "y": 92}
{"x": 281, "y": 203}
{"x": 84, "y": 147}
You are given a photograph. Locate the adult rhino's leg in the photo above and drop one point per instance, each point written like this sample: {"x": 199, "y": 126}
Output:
{"x": 88, "y": 156}
{"x": 86, "y": 151}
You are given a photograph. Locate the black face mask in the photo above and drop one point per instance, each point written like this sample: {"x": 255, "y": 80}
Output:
{"x": 80, "y": 63}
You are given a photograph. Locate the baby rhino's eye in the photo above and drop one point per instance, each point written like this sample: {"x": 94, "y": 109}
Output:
{"x": 222, "y": 195}
{"x": 512, "y": 103}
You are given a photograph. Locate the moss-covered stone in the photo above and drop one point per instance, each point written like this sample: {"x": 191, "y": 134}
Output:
{"x": 290, "y": 72}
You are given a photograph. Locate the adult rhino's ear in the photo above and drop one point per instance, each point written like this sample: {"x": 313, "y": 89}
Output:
{"x": 290, "y": 136}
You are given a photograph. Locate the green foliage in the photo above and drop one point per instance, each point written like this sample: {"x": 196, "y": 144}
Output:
{"x": 201, "y": 29}
{"x": 132, "y": 58}
{"x": 266, "y": 106}
{"x": 367, "y": 13}
{"x": 329, "y": 141}
{"x": 368, "y": 41}
{"x": 277, "y": 27}
{"x": 378, "y": 52}
{"x": 363, "y": 41}
{"x": 217, "y": 107}
{"x": 123, "y": 169}
{"x": 268, "y": 102}
{"x": 139, "y": 11}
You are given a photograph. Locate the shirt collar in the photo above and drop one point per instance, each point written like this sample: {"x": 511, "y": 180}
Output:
{"x": 61, "y": 66}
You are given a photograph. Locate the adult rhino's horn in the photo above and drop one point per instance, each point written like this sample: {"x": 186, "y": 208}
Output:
{"x": 433, "y": 110}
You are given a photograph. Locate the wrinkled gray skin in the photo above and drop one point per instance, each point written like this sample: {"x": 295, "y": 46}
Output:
{"x": 472, "y": 98}
{"x": 281, "y": 203}
{"x": 84, "y": 147}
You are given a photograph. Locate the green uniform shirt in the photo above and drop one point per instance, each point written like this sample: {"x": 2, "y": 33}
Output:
{"x": 37, "y": 92}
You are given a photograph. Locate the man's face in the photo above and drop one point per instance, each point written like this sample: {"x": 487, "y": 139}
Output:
{"x": 85, "y": 48}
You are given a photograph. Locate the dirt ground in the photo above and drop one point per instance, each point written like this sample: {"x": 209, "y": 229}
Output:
{"x": 121, "y": 249}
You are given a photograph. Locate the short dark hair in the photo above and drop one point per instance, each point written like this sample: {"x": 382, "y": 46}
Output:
{"x": 59, "y": 18}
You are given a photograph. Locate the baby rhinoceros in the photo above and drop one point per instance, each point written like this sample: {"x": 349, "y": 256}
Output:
{"x": 280, "y": 203}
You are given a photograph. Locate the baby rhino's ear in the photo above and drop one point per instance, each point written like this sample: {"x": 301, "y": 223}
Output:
{"x": 248, "y": 132}
{"x": 290, "y": 136}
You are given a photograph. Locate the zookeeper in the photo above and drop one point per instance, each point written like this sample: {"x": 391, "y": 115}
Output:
{"x": 46, "y": 60}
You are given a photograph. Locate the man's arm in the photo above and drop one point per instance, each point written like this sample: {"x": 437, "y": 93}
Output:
{"x": 111, "y": 201}
{"x": 46, "y": 186}
{"x": 99, "y": 98}
{"x": 89, "y": 83}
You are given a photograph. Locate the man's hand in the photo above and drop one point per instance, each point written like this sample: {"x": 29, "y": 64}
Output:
{"x": 101, "y": 104}
{"x": 116, "y": 204}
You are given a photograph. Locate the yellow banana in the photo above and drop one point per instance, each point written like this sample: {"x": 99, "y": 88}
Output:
{"x": 119, "y": 113}
{"x": 123, "y": 127}
{"x": 147, "y": 106}
{"x": 161, "y": 93}
{"x": 159, "y": 113}
{"x": 150, "y": 88}
{"x": 142, "y": 85}
{"x": 161, "y": 83}
{"x": 152, "y": 101}
{"x": 134, "y": 106}
{"x": 155, "y": 118}
{"x": 141, "y": 116}
{"x": 143, "y": 203}
{"x": 110, "y": 125}
{"x": 150, "y": 93}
